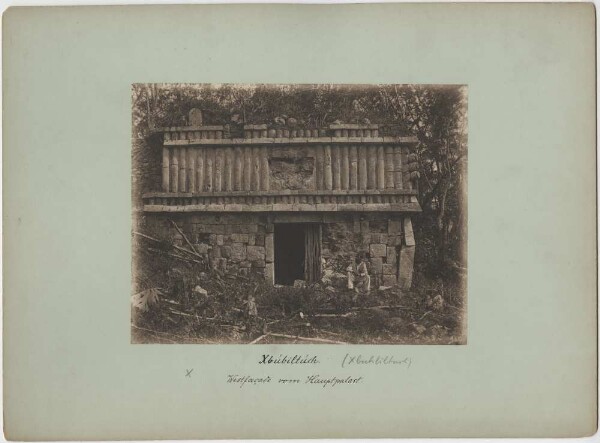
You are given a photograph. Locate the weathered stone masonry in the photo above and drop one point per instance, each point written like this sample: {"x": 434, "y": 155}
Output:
{"x": 228, "y": 194}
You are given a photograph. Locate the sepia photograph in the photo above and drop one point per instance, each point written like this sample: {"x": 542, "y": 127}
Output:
{"x": 196, "y": 194}
{"x": 299, "y": 213}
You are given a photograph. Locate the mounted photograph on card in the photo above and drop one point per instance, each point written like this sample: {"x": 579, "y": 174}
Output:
{"x": 299, "y": 213}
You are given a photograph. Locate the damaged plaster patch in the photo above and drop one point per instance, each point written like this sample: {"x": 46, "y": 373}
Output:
{"x": 291, "y": 173}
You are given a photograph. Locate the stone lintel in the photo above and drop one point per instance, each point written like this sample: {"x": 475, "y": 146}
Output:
{"x": 261, "y": 127}
{"x": 288, "y": 207}
{"x": 280, "y": 193}
{"x": 297, "y": 218}
{"x": 190, "y": 128}
{"x": 353, "y": 126}
{"x": 291, "y": 141}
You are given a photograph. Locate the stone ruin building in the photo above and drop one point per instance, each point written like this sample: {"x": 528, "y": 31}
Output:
{"x": 289, "y": 203}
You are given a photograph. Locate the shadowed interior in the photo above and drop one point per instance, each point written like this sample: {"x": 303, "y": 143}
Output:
{"x": 289, "y": 253}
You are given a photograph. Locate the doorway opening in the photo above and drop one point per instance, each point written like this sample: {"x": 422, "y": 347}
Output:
{"x": 297, "y": 252}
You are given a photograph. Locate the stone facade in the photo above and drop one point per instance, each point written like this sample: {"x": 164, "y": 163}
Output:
{"x": 380, "y": 236}
{"x": 244, "y": 243}
{"x": 229, "y": 193}
{"x": 230, "y": 242}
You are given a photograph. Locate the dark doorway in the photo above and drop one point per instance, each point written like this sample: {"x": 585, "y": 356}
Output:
{"x": 289, "y": 253}
{"x": 297, "y": 252}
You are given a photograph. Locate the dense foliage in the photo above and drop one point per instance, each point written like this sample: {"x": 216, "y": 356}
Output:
{"x": 437, "y": 115}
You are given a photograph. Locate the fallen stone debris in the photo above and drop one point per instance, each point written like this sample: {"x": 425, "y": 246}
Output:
{"x": 185, "y": 300}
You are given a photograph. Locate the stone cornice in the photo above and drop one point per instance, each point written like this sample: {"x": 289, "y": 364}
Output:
{"x": 292, "y": 141}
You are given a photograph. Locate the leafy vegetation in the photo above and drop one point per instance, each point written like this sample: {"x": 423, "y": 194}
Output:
{"x": 436, "y": 115}
{"x": 181, "y": 313}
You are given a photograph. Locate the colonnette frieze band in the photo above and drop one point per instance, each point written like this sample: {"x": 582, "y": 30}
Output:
{"x": 351, "y": 166}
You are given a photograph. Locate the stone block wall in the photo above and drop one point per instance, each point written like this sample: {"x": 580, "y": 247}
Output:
{"x": 234, "y": 243}
{"x": 381, "y": 236}
{"x": 244, "y": 243}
